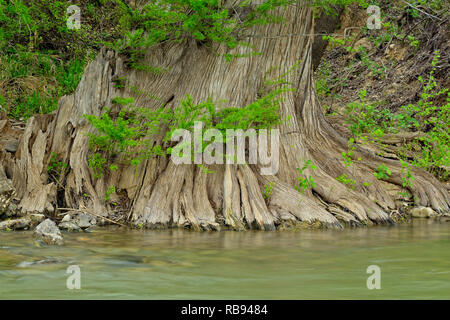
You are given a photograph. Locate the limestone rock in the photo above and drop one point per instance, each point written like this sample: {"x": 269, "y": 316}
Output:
{"x": 15, "y": 224}
{"x": 70, "y": 226}
{"x": 423, "y": 212}
{"x": 84, "y": 221}
{"x": 49, "y": 233}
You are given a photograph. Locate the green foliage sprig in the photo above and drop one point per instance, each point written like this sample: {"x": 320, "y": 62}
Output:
{"x": 305, "y": 182}
{"x": 349, "y": 182}
{"x": 130, "y": 133}
{"x": 206, "y": 21}
{"x": 382, "y": 172}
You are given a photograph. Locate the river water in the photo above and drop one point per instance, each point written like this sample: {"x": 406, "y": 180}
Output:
{"x": 414, "y": 260}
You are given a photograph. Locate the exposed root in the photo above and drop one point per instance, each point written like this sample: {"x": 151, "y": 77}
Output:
{"x": 263, "y": 218}
{"x": 160, "y": 194}
{"x": 287, "y": 203}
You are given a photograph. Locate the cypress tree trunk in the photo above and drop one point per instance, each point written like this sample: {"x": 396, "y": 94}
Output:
{"x": 163, "y": 194}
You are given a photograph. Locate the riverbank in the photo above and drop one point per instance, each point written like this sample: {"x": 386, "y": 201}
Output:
{"x": 48, "y": 231}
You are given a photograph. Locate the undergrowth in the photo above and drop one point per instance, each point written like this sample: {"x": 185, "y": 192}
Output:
{"x": 374, "y": 56}
{"x": 42, "y": 59}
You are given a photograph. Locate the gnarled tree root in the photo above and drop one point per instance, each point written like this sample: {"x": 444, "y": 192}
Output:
{"x": 160, "y": 194}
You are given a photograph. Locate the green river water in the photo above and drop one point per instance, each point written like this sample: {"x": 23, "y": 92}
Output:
{"x": 174, "y": 264}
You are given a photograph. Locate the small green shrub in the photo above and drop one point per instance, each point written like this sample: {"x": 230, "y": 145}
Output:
{"x": 305, "y": 182}
{"x": 111, "y": 190}
{"x": 267, "y": 191}
{"x": 347, "y": 181}
{"x": 382, "y": 172}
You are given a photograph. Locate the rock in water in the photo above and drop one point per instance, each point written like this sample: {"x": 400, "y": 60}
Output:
{"x": 70, "y": 226}
{"x": 84, "y": 221}
{"x": 49, "y": 233}
{"x": 22, "y": 223}
{"x": 423, "y": 212}
{"x": 15, "y": 224}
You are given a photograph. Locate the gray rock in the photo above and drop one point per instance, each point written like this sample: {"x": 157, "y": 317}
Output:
{"x": 79, "y": 221}
{"x": 70, "y": 226}
{"x": 423, "y": 212}
{"x": 15, "y": 224}
{"x": 83, "y": 221}
{"x": 12, "y": 146}
{"x": 49, "y": 233}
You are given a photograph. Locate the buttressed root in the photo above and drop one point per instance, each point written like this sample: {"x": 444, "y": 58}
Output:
{"x": 159, "y": 193}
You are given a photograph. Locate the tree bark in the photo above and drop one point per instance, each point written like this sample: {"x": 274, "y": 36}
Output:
{"x": 160, "y": 194}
